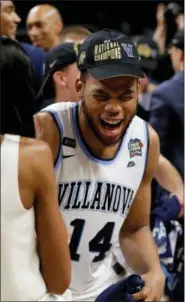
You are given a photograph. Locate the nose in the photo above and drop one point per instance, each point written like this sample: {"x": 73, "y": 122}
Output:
{"x": 17, "y": 19}
{"x": 113, "y": 107}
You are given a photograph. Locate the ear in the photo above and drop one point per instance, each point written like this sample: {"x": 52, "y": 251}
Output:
{"x": 139, "y": 86}
{"x": 59, "y": 27}
{"x": 79, "y": 88}
{"x": 59, "y": 79}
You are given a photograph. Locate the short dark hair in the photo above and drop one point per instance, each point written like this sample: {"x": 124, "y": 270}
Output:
{"x": 17, "y": 93}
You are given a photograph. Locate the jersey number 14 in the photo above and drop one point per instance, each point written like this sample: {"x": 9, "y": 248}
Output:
{"x": 99, "y": 244}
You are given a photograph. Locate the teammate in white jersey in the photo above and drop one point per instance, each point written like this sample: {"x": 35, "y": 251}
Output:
{"x": 33, "y": 233}
{"x": 105, "y": 158}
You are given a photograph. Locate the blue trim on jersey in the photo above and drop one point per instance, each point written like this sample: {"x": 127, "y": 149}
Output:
{"x": 84, "y": 146}
{"x": 148, "y": 143}
{"x": 59, "y": 125}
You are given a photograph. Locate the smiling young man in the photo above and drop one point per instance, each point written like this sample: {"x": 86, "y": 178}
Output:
{"x": 105, "y": 158}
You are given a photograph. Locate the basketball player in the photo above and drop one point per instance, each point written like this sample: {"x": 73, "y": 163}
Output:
{"x": 105, "y": 158}
{"x": 33, "y": 233}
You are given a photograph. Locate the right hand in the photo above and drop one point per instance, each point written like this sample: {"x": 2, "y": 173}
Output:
{"x": 154, "y": 287}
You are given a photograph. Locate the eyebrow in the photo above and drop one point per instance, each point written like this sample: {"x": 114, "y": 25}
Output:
{"x": 129, "y": 90}
{"x": 99, "y": 91}
{"x": 35, "y": 23}
{"x": 102, "y": 92}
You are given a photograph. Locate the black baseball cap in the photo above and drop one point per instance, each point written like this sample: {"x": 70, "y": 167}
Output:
{"x": 60, "y": 56}
{"x": 178, "y": 40}
{"x": 148, "y": 52}
{"x": 57, "y": 58}
{"x": 109, "y": 53}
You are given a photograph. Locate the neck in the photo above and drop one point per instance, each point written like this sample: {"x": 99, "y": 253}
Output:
{"x": 61, "y": 95}
{"x": 94, "y": 143}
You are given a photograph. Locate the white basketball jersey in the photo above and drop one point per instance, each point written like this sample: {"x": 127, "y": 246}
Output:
{"x": 95, "y": 195}
{"x": 21, "y": 279}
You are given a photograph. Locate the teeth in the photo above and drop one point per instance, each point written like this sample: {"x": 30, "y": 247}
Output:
{"x": 111, "y": 122}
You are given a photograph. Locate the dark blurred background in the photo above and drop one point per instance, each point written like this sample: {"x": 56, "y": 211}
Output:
{"x": 131, "y": 17}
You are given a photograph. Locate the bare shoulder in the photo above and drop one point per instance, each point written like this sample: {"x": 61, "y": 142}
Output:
{"x": 47, "y": 130}
{"x": 154, "y": 138}
{"x": 35, "y": 163}
{"x": 44, "y": 117}
{"x": 34, "y": 151}
{"x": 43, "y": 123}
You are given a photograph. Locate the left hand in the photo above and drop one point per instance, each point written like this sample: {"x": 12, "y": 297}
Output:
{"x": 154, "y": 287}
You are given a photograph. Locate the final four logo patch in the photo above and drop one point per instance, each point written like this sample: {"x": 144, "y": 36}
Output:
{"x": 135, "y": 147}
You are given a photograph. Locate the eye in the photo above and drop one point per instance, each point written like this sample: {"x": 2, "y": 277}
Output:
{"x": 127, "y": 97}
{"x": 100, "y": 97}
{"x": 38, "y": 24}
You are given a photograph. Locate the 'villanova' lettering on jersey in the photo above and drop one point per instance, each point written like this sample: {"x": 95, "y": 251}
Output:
{"x": 95, "y": 195}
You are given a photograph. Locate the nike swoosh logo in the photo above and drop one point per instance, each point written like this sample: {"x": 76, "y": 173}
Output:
{"x": 52, "y": 64}
{"x": 67, "y": 156}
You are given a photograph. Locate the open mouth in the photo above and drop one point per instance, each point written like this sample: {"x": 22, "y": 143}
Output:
{"x": 37, "y": 40}
{"x": 110, "y": 125}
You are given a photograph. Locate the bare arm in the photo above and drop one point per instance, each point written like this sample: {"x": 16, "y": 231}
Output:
{"x": 51, "y": 230}
{"x": 136, "y": 239}
{"x": 161, "y": 29}
{"x": 169, "y": 178}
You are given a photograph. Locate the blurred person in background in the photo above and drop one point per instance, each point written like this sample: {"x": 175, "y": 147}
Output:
{"x": 60, "y": 68}
{"x": 33, "y": 233}
{"x": 169, "y": 19}
{"x": 9, "y": 23}
{"x": 60, "y": 75}
{"x": 44, "y": 26}
{"x": 75, "y": 34}
{"x": 9, "y": 19}
{"x": 167, "y": 118}
{"x": 167, "y": 107}
{"x": 148, "y": 52}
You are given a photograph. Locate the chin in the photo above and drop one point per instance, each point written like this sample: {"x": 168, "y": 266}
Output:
{"x": 12, "y": 36}
{"x": 107, "y": 141}
{"x": 111, "y": 143}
